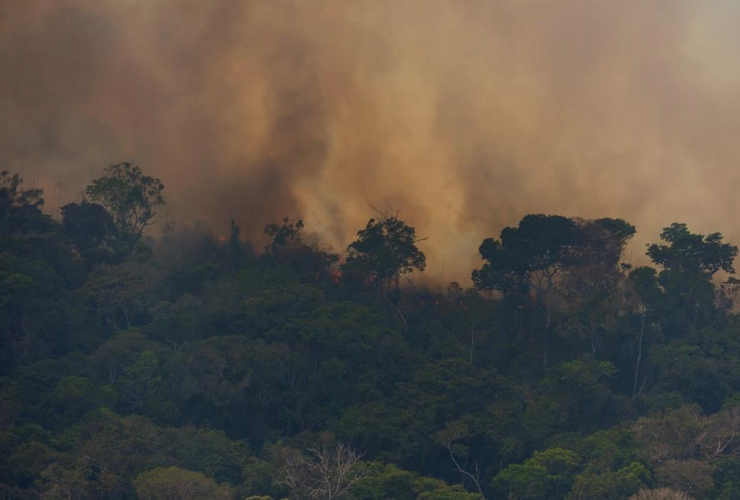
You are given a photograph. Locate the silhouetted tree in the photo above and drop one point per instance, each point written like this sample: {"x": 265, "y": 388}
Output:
{"x": 682, "y": 293}
{"x": 18, "y": 205}
{"x": 284, "y": 236}
{"x": 529, "y": 258}
{"x": 131, "y": 198}
{"x": 594, "y": 289}
{"x": 384, "y": 251}
{"x": 87, "y": 225}
{"x": 290, "y": 247}
{"x": 687, "y": 252}
{"x": 235, "y": 249}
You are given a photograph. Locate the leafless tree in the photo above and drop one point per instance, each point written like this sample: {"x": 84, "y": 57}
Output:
{"x": 660, "y": 494}
{"x": 685, "y": 434}
{"x": 327, "y": 473}
{"x": 722, "y": 431}
{"x": 462, "y": 470}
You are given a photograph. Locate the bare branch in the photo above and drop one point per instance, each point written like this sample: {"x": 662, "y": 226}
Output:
{"x": 475, "y": 478}
{"x": 327, "y": 474}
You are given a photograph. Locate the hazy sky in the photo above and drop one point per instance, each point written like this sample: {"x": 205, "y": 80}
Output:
{"x": 465, "y": 114}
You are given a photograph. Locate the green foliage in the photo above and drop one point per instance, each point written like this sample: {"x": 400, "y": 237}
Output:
{"x": 388, "y": 481}
{"x": 706, "y": 378}
{"x": 568, "y": 266}
{"x": 188, "y": 369}
{"x": 18, "y": 206}
{"x": 384, "y": 252}
{"x": 540, "y": 244}
{"x": 258, "y": 476}
{"x": 682, "y": 294}
{"x": 143, "y": 388}
{"x": 726, "y": 475}
{"x": 300, "y": 256}
{"x": 561, "y": 466}
{"x": 692, "y": 253}
{"x": 612, "y": 485}
{"x": 610, "y": 450}
{"x": 548, "y": 474}
{"x": 84, "y": 483}
{"x": 173, "y": 482}
{"x": 284, "y": 236}
{"x": 523, "y": 482}
{"x": 88, "y": 226}
{"x": 119, "y": 295}
{"x": 209, "y": 451}
{"x": 575, "y": 395}
{"x": 131, "y": 198}
{"x": 74, "y": 396}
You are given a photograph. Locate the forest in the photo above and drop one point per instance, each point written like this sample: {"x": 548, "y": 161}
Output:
{"x": 141, "y": 359}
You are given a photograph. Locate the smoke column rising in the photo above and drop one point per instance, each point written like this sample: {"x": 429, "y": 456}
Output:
{"x": 467, "y": 115}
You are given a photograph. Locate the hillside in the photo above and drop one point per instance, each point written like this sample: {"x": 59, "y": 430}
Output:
{"x": 187, "y": 366}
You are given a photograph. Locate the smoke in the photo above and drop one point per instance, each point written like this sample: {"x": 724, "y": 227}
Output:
{"x": 465, "y": 115}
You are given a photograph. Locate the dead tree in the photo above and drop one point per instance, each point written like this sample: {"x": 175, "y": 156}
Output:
{"x": 475, "y": 478}
{"x": 326, "y": 473}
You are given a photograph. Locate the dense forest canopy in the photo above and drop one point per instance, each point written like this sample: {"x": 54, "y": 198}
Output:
{"x": 158, "y": 362}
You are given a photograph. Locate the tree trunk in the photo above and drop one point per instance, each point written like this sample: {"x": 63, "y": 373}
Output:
{"x": 472, "y": 337}
{"x": 548, "y": 320}
{"x": 639, "y": 353}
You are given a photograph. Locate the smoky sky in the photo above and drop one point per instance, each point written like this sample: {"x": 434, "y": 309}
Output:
{"x": 466, "y": 115}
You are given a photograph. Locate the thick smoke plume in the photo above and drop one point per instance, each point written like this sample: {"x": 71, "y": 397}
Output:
{"x": 465, "y": 114}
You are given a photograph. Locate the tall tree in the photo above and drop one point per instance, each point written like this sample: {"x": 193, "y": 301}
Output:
{"x": 683, "y": 292}
{"x": 292, "y": 248}
{"x": 235, "y": 249}
{"x": 284, "y": 236}
{"x": 91, "y": 231}
{"x": 687, "y": 252}
{"x": 594, "y": 290}
{"x": 131, "y": 197}
{"x": 384, "y": 251}
{"x": 18, "y": 205}
{"x": 529, "y": 258}
{"x": 87, "y": 225}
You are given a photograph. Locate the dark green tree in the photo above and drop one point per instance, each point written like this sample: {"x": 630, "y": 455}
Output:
{"x": 384, "y": 251}
{"x": 173, "y": 482}
{"x": 292, "y": 249}
{"x": 87, "y": 225}
{"x": 530, "y": 259}
{"x": 17, "y": 203}
{"x": 527, "y": 257}
{"x": 594, "y": 290}
{"x": 284, "y": 236}
{"x": 91, "y": 231}
{"x": 682, "y": 293}
{"x": 611, "y": 485}
{"x": 692, "y": 253}
{"x": 131, "y": 198}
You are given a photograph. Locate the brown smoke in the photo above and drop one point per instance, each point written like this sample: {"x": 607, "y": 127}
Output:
{"x": 465, "y": 114}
